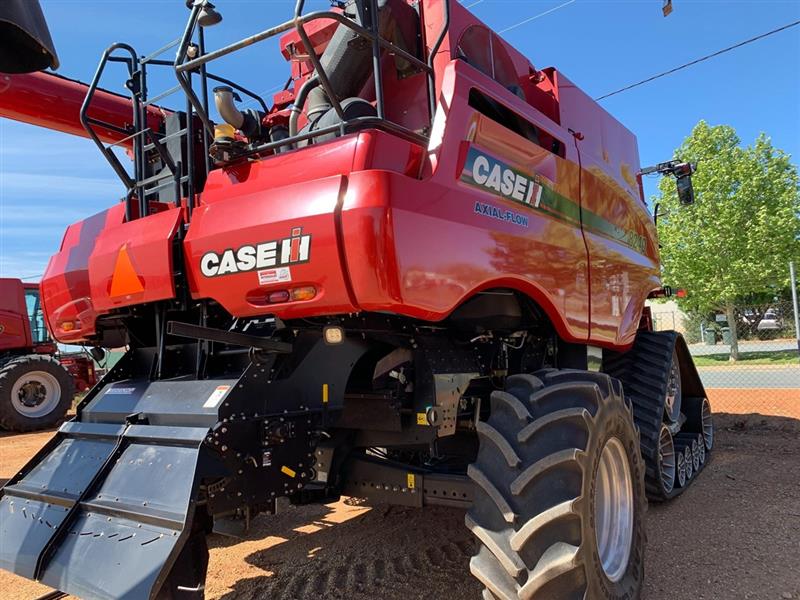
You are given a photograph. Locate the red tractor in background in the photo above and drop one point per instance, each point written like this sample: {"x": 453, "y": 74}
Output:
{"x": 37, "y": 383}
{"x": 417, "y": 276}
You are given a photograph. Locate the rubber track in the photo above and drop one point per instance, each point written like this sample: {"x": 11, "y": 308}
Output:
{"x": 644, "y": 373}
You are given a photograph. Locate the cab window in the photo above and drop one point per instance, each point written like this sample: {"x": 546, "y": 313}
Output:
{"x": 36, "y": 316}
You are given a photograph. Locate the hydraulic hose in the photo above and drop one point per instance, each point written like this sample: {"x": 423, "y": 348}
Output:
{"x": 299, "y": 102}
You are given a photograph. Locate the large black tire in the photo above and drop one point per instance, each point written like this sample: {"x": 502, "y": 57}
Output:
{"x": 48, "y": 379}
{"x": 536, "y": 482}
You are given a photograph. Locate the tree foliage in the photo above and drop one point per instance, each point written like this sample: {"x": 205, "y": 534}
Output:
{"x": 739, "y": 236}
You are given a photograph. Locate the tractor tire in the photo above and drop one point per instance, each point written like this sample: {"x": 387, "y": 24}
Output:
{"x": 559, "y": 491}
{"x": 35, "y": 393}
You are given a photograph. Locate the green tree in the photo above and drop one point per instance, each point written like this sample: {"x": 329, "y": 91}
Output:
{"x": 738, "y": 238}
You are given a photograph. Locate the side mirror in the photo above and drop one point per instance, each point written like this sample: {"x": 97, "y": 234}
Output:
{"x": 685, "y": 190}
{"x": 98, "y": 354}
{"x": 683, "y": 176}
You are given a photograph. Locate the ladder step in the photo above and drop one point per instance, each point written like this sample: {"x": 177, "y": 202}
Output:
{"x": 166, "y": 138}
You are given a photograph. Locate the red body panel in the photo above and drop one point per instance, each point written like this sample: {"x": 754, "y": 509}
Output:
{"x": 15, "y": 329}
{"x": 66, "y": 292}
{"x": 377, "y": 223}
{"x": 148, "y": 245}
{"x": 259, "y": 216}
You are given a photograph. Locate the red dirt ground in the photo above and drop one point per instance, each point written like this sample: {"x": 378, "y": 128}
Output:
{"x": 769, "y": 402}
{"x": 732, "y": 536}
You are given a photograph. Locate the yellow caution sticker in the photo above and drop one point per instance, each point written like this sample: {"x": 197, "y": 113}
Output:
{"x": 324, "y": 393}
{"x": 287, "y": 471}
{"x": 422, "y": 419}
{"x": 411, "y": 481}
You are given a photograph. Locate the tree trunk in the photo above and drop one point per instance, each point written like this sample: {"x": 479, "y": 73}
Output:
{"x": 730, "y": 315}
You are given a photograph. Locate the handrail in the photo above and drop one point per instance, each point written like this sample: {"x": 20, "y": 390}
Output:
{"x": 87, "y": 121}
{"x": 432, "y": 56}
{"x": 184, "y": 69}
{"x": 352, "y": 124}
{"x": 298, "y": 22}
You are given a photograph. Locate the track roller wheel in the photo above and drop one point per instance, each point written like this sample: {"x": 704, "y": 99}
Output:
{"x": 691, "y": 441}
{"x": 699, "y": 419}
{"x": 559, "y": 491}
{"x": 702, "y": 446}
{"x": 688, "y": 459}
{"x": 680, "y": 469}
{"x": 666, "y": 459}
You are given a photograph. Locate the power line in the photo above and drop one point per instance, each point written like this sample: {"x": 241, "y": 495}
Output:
{"x": 699, "y": 60}
{"x": 533, "y": 18}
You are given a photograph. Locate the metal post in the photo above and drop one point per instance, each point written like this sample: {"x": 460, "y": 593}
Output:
{"x": 793, "y": 279}
{"x": 376, "y": 56}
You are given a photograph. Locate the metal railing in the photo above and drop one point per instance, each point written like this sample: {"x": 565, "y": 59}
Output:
{"x": 140, "y": 186}
{"x": 184, "y": 68}
{"x": 144, "y": 139}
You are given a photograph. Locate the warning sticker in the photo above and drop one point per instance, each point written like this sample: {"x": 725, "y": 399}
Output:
{"x": 216, "y": 396}
{"x": 120, "y": 391}
{"x": 279, "y": 275}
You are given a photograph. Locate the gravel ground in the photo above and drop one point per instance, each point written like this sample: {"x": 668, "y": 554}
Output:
{"x": 734, "y": 535}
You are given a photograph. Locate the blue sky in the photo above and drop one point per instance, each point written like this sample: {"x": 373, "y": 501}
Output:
{"x": 48, "y": 180}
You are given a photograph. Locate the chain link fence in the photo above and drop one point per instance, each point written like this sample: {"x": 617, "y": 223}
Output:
{"x": 752, "y": 369}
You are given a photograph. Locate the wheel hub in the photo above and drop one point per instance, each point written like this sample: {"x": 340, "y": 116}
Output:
{"x": 613, "y": 509}
{"x": 32, "y": 393}
{"x": 35, "y": 394}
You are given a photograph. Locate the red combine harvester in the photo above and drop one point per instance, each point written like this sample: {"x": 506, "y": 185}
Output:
{"x": 417, "y": 276}
{"x": 37, "y": 384}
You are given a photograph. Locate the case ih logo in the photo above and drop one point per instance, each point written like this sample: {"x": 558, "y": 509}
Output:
{"x": 288, "y": 251}
{"x": 501, "y": 180}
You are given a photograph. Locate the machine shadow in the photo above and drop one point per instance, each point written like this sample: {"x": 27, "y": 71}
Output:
{"x": 343, "y": 550}
{"x": 380, "y": 552}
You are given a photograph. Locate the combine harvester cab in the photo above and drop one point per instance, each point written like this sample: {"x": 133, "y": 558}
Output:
{"x": 377, "y": 286}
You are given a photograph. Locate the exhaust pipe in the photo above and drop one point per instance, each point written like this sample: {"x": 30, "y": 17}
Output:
{"x": 223, "y": 99}
{"x": 248, "y": 121}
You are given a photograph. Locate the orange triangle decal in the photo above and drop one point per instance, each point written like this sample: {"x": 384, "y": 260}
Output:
{"x": 125, "y": 281}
